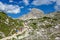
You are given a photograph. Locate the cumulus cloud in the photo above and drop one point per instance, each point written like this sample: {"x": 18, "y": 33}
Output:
{"x": 40, "y": 2}
{"x": 57, "y": 8}
{"x": 26, "y": 2}
{"x": 10, "y": 0}
{"x": 58, "y": 2}
{"x": 30, "y": 9}
{"x": 22, "y": 7}
{"x": 9, "y": 8}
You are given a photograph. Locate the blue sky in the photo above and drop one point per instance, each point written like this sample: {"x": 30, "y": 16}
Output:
{"x": 17, "y": 8}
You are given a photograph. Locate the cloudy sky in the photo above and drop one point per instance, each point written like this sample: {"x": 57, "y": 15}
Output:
{"x": 17, "y": 8}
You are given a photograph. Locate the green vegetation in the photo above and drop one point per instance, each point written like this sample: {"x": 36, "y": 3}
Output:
{"x": 21, "y": 23}
{"x": 1, "y": 37}
{"x": 33, "y": 25}
{"x": 5, "y": 26}
{"x": 48, "y": 25}
{"x": 46, "y": 17}
{"x": 41, "y": 20}
{"x": 5, "y": 29}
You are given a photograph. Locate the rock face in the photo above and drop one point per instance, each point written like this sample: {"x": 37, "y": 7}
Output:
{"x": 35, "y": 13}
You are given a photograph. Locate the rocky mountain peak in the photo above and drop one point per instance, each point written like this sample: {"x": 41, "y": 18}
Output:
{"x": 34, "y": 13}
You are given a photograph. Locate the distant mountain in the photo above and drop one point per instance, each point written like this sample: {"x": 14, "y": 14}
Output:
{"x": 35, "y": 13}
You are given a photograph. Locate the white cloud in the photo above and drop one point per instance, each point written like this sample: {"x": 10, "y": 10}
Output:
{"x": 53, "y": 0}
{"x": 22, "y": 7}
{"x": 26, "y": 2}
{"x": 9, "y": 8}
{"x": 40, "y": 2}
{"x": 30, "y": 9}
{"x": 57, "y": 8}
{"x": 10, "y": 0}
{"x": 58, "y": 2}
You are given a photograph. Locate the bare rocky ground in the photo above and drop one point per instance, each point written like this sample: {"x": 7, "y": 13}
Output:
{"x": 43, "y": 26}
{"x": 39, "y": 26}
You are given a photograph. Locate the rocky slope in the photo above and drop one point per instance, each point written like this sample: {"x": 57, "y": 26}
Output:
{"x": 44, "y": 28}
{"x": 40, "y": 26}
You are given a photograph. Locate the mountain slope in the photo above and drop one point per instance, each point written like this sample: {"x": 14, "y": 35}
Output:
{"x": 44, "y": 28}
{"x": 7, "y": 24}
{"x": 39, "y": 26}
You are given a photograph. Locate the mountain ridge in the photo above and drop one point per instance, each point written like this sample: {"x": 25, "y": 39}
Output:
{"x": 37, "y": 13}
{"x": 34, "y": 13}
